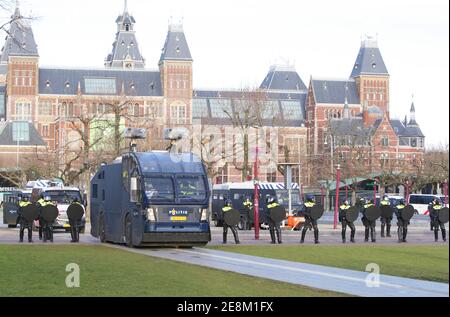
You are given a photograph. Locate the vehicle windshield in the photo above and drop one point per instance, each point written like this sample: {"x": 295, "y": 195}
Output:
{"x": 63, "y": 197}
{"x": 159, "y": 189}
{"x": 191, "y": 188}
{"x": 283, "y": 197}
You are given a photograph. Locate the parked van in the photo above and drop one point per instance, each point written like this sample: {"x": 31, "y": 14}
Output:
{"x": 420, "y": 202}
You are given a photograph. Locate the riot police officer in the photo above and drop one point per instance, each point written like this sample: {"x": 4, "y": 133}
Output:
{"x": 75, "y": 225}
{"x": 401, "y": 223}
{"x": 386, "y": 222}
{"x": 47, "y": 228}
{"x": 369, "y": 224}
{"x": 248, "y": 207}
{"x": 342, "y": 218}
{"x": 24, "y": 224}
{"x": 434, "y": 209}
{"x": 309, "y": 221}
{"x": 228, "y": 207}
{"x": 274, "y": 228}
{"x": 39, "y": 205}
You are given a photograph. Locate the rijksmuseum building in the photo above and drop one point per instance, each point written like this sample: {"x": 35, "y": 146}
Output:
{"x": 40, "y": 106}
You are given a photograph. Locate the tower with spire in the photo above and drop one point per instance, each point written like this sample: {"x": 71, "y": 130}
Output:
{"x": 125, "y": 53}
{"x": 371, "y": 76}
{"x": 176, "y": 72}
{"x": 19, "y": 64}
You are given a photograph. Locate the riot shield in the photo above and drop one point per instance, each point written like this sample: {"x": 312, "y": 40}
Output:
{"x": 30, "y": 213}
{"x": 352, "y": 214}
{"x": 232, "y": 217}
{"x": 49, "y": 213}
{"x": 278, "y": 214}
{"x": 443, "y": 215}
{"x": 317, "y": 212}
{"x": 75, "y": 212}
{"x": 387, "y": 212}
{"x": 408, "y": 213}
{"x": 373, "y": 213}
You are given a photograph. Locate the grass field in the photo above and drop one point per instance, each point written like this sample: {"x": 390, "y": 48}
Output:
{"x": 419, "y": 262}
{"x": 41, "y": 271}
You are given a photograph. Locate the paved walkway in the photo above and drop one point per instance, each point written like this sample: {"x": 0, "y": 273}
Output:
{"x": 316, "y": 276}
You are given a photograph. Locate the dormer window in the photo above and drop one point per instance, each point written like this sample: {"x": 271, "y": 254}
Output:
{"x": 178, "y": 50}
{"x": 127, "y": 27}
{"x": 67, "y": 84}
{"x": 132, "y": 86}
{"x": 47, "y": 84}
{"x": 374, "y": 65}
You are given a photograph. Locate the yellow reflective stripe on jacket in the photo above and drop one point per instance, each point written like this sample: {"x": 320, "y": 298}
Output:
{"x": 309, "y": 204}
{"x": 437, "y": 207}
{"x": 385, "y": 203}
{"x": 345, "y": 207}
{"x": 401, "y": 206}
{"x": 368, "y": 205}
{"x": 247, "y": 203}
{"x": 47, "y": 203}
{"x": 24, "y": 204}
{"x": 40, "y": 201}
{"x": 225, "y": 209}
{"x": 272, "y": 205}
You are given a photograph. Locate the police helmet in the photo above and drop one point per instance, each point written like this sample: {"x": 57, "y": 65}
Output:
{"x": 20, "y": 196}
{"x": 47, "y": 198}
{"x": 228, "y": 202}
{"x": 402, "y": 201}
{"x": 437, "y": 201}
{"x": 75, "y": 200}
{"x": 271, "y": 200}
{"x": 385, "y": 197}
{"x": 310, "y": 198}
{"x": 25, "y": 198}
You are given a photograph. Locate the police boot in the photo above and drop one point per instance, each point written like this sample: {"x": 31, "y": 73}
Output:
{"x": 352, "y": 236}
{"x": 405, "y": 232}
{"x": 316, "y": 236}
{"x": 272, "y": 236}
{"x": 279, "y": 237}
{"x": 444, "y": 235}
{"x": 382, "y": 230}
{"x": 40, "y": 233}
{"x": 224, "y": 238}
{"x": 343, "y": 236}
{"x": 366, "y": 235}
{"x": 77, "y": 234}
{"x": 388, "y": 230}
{"x": 21, "y": 235}
{"x": 302, "y": 240}
{"x": 73, "y": 235}
{"x": 236, "y": 237}
{"x": 400, "y": 234}
{"x": 436, "y": 235}
{"x": 30, "y": 235}
{"x": 373, "y": 235}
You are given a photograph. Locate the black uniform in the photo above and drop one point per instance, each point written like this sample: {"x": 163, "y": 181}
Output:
{"x": 24, "y": 224}
{"x": 248, "y": 207}
{"x": 75, "y": 227}
{"x": 47, "y": 227}
{"x": 369, "y": 225}
{"x": 401, "y": 223}
{"x": 310, "y": 223}
{"x": 38, "y": 204}
{"x": 342, "y": 211}
{"x": 274, "y": 228}
{"x": 386, "y": 222}
{"x": 226, "y": 226}
{"x": 434, "y": 215}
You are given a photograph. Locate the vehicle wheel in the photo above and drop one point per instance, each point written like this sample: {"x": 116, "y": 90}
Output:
{"x": 128, "y": 232}
{"x": 101, "y": 229}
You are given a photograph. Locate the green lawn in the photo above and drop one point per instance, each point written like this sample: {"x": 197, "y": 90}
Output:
{"x": 420, "y": 262}
{"x": 40, "y": 271}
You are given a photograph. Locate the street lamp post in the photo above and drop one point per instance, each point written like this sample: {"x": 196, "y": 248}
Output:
{"x": 336, "y": 203}
{"x": 446, "y": 192}
{"x": 407, "y": 192}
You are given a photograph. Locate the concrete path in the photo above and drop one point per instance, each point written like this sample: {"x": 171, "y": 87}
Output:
{"x": 316, "y": 276}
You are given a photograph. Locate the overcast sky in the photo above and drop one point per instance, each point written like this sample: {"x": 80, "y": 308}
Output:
{"x": 234, "y": 42}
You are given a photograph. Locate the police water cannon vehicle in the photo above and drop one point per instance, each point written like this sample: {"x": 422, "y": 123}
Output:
{"x": 10, "y": 205}
{"x": 155, "y": 198}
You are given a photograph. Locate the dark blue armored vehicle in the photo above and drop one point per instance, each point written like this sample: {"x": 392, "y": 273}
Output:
{"x": 151, "y": 199}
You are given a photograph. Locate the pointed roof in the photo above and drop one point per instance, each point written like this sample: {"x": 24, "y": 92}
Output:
{"x": 283, "y": 77}
{"x": 369, "y": 60}
{"x": 176, "y": 46}
{"x": 20, "y": 39}
{"x": 26, "y": 131}
{"x": 412, "y": 120}
{"x": 125, "y": 47}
